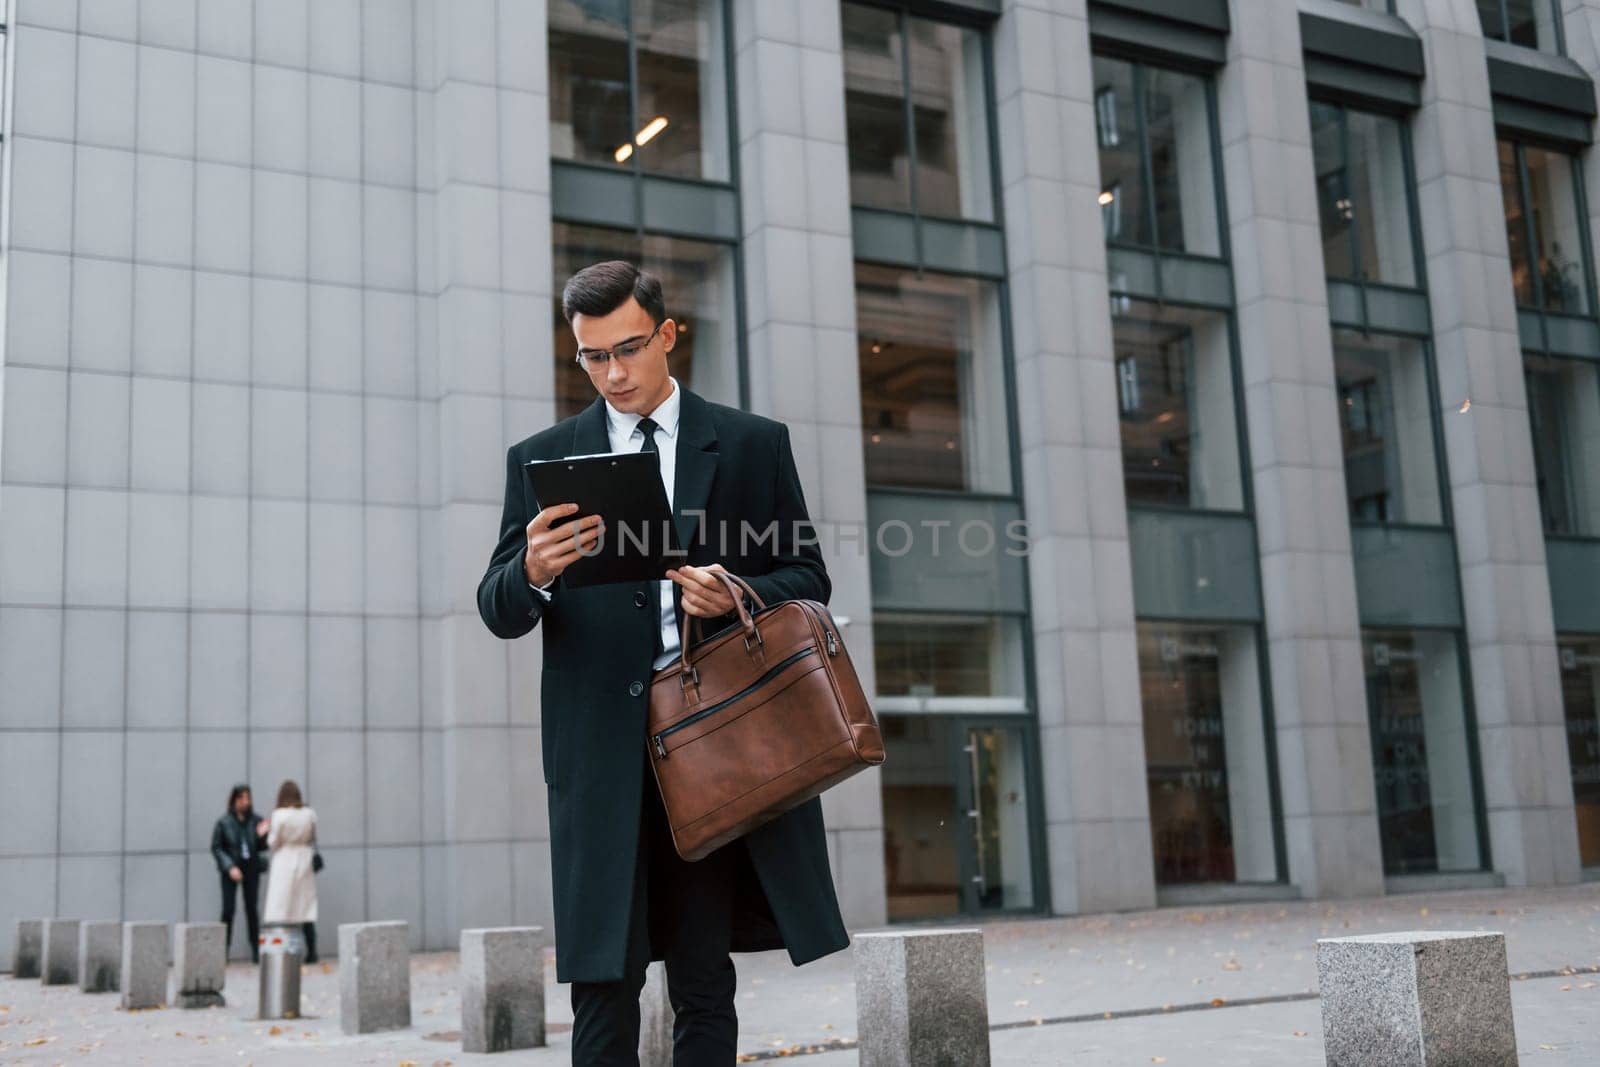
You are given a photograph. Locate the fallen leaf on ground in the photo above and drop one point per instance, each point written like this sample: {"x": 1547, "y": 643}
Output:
{"x": 1548, "y": 1048}
{"x": 1423, "y": 912}
{"x": 1217, "y": 1002}
{"x": 35, "y": 1042}
{"x": 1299, "y": 1033}
{"x": 1158, "y": 1059}
{"x": 275, "y": 1031}
{"x": 1231, "y": 965}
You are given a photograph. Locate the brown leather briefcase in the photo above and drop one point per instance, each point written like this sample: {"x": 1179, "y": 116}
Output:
{"x": 755, "y": 720}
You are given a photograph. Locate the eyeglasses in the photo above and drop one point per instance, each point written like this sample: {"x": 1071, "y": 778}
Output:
{"x": 597, "y": 358}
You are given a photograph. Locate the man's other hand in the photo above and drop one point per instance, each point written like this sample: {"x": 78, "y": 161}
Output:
{"x": 703, "y": 595}
{"x": 551, "y": 551}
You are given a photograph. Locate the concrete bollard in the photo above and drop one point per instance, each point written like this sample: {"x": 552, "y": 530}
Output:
{"x": 1422, "y": 998}
{"x": 921, "y": 998}
{"x": 656, "y": 1019}
{"x": 374, "y": 977}
{"x": 60, "y": 952}
{"x": 202, "y": 964}
{"x": 100, "y": 956}
{"x": 27, "y": 951}
{"x": 502, "y": 989}
{"x": 145, "y": 946}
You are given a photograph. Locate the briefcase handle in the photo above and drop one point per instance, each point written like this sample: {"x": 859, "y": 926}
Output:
{"x": 738, "y": 588}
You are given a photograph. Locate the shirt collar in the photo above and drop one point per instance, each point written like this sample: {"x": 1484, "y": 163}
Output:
{"x": 665, "y": 415}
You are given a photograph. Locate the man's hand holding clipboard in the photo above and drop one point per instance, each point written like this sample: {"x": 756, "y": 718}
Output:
{"x": 551, "y": 550}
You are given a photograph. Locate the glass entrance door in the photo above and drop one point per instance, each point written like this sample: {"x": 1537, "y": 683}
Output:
{"x": 956, "y": 816}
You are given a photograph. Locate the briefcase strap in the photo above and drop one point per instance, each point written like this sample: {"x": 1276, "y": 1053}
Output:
{"x": 738, "y": 588}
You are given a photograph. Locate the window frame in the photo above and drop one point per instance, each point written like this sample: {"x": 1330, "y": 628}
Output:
{"x": 1537, "y": 311}
{"x": 1413, "y": 206}
{"x": 1505, "y": 24}
{"x": 1269, "y": 722}
{"x": 1469, "y": 711}
{"x": 905, "y": 11}
{"x": 1139, "y": 65}
{"x": 635, "y": 166}
{"x": 1440, "y": 463}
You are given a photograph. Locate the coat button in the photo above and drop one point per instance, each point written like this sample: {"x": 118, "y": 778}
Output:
{"x": 639, "y": 600}
{"x": 635, "y": 689}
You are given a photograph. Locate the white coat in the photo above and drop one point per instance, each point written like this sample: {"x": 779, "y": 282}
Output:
{"x": 291, "y": 885}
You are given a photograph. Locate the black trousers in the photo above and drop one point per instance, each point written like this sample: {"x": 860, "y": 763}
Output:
{"x": 683, "y": 912}
{"x": 250, "y": 884}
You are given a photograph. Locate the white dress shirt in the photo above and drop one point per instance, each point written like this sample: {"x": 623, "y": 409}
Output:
{"x": 623, "y": 430}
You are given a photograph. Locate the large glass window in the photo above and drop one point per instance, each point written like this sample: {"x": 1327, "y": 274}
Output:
{"x": 1386, "y": 419}
{"x": 1175, "y": 396}
{"x": 697, "y": 280}
{"x": 679, "y": 49}
{"x": 933, "y": 385}
{"x": 1362, "y": 195}
{"x": 917, "y": 113}
{"x": 1205, "y": 749}
{"x": 1580, "y": 693}
{"x": 1422, "y": 763}
{"x": 930, "y": 658}
{"x": 1157, "y": 172}
{"x": 1530, "y": 23}
{"x": 1564, "y": 414}
{"x": 1541, "y": 190}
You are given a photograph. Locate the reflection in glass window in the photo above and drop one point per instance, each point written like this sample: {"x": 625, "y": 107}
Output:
{"x": 680, "y": 52}
{"x": 948, "y": 105}
{"x": 951, "y": 118}
{"x": 1386, "y": 418}
{"x": 1175, "y": 388}
{"x": 1156, "y": 122}
{"x": 589, "y": 109}
{"x": 683, "y": 88}
{"x": 1529, "y": 23}
{"x": 1580, "y": 693}
{"x": 933, "y": 400}
{"x": 1564, "y": 414}
{"x": 945, "y": 656}
{"x": 1206, "y": 754}
{"x": 1539, "y": 189}
{"x": 1427, "y": 818}
{"x": 697, "y": 282}
{"x": 1362, "y": 195}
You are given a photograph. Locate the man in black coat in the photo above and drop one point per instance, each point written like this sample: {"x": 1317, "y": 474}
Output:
{"x": 622, "y": 895}
{"x": 237, "y": 842}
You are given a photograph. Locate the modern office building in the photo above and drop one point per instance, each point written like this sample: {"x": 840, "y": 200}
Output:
{"x": 1199, "y": 401}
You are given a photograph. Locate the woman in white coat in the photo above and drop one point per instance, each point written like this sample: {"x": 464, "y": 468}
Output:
{"x": 291, "y": 879}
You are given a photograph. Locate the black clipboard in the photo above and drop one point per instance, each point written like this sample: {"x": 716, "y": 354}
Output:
{"x": 624, "y": 488}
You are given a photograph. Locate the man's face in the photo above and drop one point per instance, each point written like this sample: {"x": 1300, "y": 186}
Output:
{"x": 635, "y": 384}
{"x": 242, "y": 804}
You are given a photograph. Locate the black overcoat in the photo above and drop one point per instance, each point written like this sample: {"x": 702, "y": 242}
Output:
{"x": 599, "y": 642}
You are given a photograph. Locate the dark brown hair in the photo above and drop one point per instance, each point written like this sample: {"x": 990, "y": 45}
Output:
{"x": 601, "y": 288}
{"x": 289, "y": 795}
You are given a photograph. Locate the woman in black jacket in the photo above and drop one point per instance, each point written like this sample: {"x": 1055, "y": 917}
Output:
{"x": 237, "y": 842}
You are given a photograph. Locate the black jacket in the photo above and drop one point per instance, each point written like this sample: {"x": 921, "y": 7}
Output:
{"x": 599, "y": 641}
{"x": 228, "y": 839}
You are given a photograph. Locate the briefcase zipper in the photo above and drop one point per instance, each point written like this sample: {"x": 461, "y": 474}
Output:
{"x": 771, "y": 673}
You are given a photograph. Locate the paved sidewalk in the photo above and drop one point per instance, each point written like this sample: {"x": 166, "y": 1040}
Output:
{"x": 1051, "y": 984}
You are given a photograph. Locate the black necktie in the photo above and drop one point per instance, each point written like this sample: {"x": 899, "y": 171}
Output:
{"x": 648, "y": 427}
